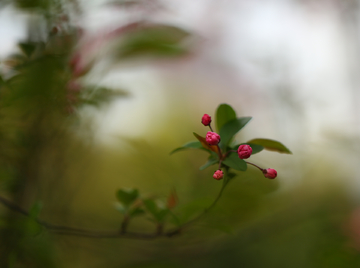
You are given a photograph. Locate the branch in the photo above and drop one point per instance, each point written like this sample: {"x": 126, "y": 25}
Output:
{"x": 122, "y": 233}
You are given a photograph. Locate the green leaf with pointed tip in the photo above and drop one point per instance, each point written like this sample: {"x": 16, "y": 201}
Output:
{"x": 232, "y": 127}
{"x": 224, "y": 114}
{"x": 271, "y": 145}
{"x": 209, "y": 163}
{"x": 127, "y": 196}
{"x": 235, "y": 162}
{"x": 255, "y": 147}
{"x": 189, "y": 145}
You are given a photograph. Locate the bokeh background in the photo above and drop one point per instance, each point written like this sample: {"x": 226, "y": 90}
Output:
{"x": 292, "y": 65}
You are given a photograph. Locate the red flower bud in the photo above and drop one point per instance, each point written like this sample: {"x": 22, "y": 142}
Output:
{"x": 206, "y": 120}
{"x": 244, "y": 151}
{"x": 270, "y": 173}
{"x": 218, "y": 175}
{"x": 212, "y": 138}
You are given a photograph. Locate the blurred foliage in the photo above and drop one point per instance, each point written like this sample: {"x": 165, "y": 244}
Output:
{"x": 42, "y": 158}
{"x": 154, "y": 40}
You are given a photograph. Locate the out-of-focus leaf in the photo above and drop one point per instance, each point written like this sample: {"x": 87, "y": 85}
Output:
{"x": 172, "y": 199}
{"x": 136, "y": 212}
{"x": 42, "y": 4}
{"x": 209, "y": 163}
{"x": 231, "y": 175}
{"x": 271, "y": 145}
{"x": 99, "y": 95}
{"x": 128, "y": 196}
{"x": 158, "y": 213}
{"x": 121, "y": 208}
{"x": 189, "y": 145}
{"x": 150, "y": 206}
{"x": 255, "y": 147}
{"x": 153, "y": 40}
{"x": 231, "y": 128}
{"x": 235, "y": 162}
{"x": 203, "y": 142}
{"x": 28, "y": 48}
{"x": 224, "y": 114}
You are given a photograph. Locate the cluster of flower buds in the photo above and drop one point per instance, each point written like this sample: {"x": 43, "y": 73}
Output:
{"x": 244, "y": 151}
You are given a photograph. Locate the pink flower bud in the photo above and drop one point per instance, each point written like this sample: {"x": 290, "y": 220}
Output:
{"x": 206, "y": 120}
{"x": 270, "y": 173}
{"x": 244, "y": 151}
{"x": 212, "y": 138}
{"x": 218, "y": 175}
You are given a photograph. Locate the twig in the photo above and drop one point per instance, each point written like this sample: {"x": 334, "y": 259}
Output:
{"x": 66, "y": 230}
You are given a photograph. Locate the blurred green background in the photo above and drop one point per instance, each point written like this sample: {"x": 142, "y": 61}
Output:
{"x": 95, "y": 95}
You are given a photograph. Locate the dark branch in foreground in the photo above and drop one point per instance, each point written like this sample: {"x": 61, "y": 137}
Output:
{"x": 65, "y": 230}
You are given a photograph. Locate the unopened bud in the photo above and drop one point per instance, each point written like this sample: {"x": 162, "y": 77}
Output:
{"x": 212, "y": 138}
{"x": 218, "y": 175}
{"x": 244, "y": 151}
{"x": 206, "y": 120}
{"x": 270, "y": 173}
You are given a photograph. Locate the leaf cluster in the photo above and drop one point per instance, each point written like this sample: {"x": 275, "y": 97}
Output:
{"x": 228, "y": 125}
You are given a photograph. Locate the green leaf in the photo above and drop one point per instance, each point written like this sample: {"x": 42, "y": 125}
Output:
{"x": 224, "y": 114}
{"x": 235, "y": 162}
{"x": 255, "y": 148}
{"x": 127, "y": 196}
{"x": 158, "y": 213}
{"x": 231, "y": 128}
{"x": 136, "y": 212}
{"x": 153, "y": 40}
{"x": 27, "y": 48}
{"x": 231, "y": 175}
{"x": 189, "y": 145}
{"x": 151, "y": 206}
{"x": 121, "y": 208}
{"x": 99, "y": 95}
{"x": 271, "y": 145}
{"x": 209, "y": 163}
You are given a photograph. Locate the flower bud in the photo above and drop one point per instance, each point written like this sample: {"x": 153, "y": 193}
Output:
{"x": 212, "y": 138}
{"x": 206, "y": 120}
{"x": 218, "y": 175}
{"x": 244, "y": 151}
{"x": 270, "y": 173}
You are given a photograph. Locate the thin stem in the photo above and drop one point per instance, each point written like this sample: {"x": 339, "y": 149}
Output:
{"x": 211, "y": 128}
{"x": 66, "y": 230}
{"x": 225, "y": 182}
{"x": 124, "y": 224}
{"x": 255, "y": 166}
